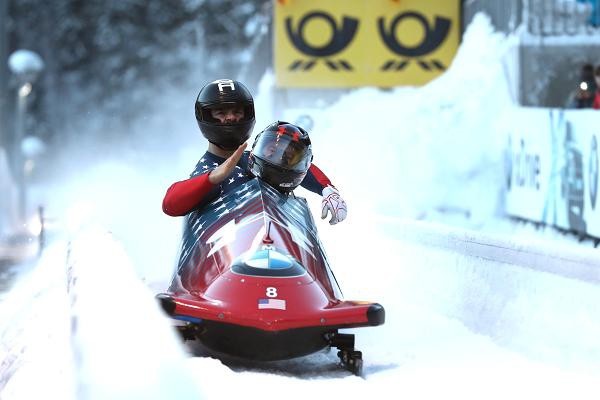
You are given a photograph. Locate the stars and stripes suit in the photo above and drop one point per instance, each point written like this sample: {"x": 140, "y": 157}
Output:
{"x": 185, "y": 196}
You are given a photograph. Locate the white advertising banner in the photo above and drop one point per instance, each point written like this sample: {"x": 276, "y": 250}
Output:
{"x": 585, "y": 128}
{"x": 552, "y": 168}
{"x": 528, "y": 163}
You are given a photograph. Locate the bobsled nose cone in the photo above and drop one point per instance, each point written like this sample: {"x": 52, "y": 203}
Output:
{"x": 166, "y": 302}
{"x": 376, "y": 314}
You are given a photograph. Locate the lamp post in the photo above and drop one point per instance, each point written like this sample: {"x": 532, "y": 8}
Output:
{"x": 26, "y": 67}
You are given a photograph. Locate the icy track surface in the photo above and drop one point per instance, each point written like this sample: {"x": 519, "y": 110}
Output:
{"x": 458, "y": 326}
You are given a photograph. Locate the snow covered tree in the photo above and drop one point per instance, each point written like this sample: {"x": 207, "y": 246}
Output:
{"x": 97, "y": 52}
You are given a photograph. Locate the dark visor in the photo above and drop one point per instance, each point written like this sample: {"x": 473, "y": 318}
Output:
{"x": 282, "y": 150}
{"x": 244, "y": 111}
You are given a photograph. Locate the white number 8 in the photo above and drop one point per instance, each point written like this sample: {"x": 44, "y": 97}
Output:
{"x": 271, "y": 292}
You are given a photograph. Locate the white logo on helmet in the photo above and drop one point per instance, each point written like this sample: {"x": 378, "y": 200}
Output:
{"x": 223, "y": 83}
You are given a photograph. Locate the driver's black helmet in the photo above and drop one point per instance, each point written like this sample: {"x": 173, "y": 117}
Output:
{"x": 225, "y": 93}
{"x": 281, "y": 156}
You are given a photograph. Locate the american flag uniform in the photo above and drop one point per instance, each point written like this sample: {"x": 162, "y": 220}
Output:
{"x": 223, "y": 204}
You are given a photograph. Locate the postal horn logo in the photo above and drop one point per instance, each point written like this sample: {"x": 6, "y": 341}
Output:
{"x": 433, "y": 38}
{"x": 340, "y": 39}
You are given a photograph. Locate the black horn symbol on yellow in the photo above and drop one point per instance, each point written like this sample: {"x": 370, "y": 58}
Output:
{"x": 432, "y": 40}
{"x": 340, "y": 39}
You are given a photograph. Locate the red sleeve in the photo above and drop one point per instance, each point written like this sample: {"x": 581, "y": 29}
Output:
{"x": 315, "y": 180}
{"x": 319, "y": 175}
{"x": 597, "y": 101}
{"x": 183, "y": 196}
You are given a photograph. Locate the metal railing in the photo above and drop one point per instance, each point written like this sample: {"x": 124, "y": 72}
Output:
{"x": 505, "y": 14}
{"x": 560, "y": 17}
{"x": 539, "y": 17}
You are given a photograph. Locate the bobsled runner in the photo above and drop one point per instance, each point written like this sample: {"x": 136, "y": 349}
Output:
{"x": 253, "y": 281}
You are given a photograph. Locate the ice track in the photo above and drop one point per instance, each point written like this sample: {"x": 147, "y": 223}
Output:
{"x": 468, "y": 315}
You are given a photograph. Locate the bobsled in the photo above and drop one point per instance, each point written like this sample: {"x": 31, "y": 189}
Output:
{"x": 253, "y": 281}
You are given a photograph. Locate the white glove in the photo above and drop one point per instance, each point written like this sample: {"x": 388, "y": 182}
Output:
{"x": 333, "y": 202}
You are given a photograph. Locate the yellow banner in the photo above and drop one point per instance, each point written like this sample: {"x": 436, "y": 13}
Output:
{"x": 349, "y": 43}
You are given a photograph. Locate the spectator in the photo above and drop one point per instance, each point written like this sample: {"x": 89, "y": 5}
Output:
{"x": 583, "y": 96}
{"x": 595, "y": 11}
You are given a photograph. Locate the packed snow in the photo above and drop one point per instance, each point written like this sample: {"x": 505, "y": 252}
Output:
{"x": 457, "y": 325}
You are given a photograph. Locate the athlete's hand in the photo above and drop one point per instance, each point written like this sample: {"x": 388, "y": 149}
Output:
{"x": 219, "y": 174}
{"x": 333, "y": 202}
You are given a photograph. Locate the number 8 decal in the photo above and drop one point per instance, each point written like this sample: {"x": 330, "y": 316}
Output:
{"x": 271, "y": 292}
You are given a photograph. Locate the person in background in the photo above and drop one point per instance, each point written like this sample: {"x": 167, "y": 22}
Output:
{"x": 594, "y": 19}
{"x": 225, "y": 115}
{"x": 583, "y": 96}
{"x": 596, "y": 104}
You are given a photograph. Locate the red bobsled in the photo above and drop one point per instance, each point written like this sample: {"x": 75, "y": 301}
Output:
{"x": 253, "y": 281}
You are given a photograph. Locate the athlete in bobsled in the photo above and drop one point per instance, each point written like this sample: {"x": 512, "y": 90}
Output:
{"x": 225, "y": 115}
{"x": 252, "y": 279}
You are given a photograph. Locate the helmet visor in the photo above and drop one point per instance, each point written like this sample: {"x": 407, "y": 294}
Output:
{"x": 227, "y": 113}
{"x": 282, "y": 150}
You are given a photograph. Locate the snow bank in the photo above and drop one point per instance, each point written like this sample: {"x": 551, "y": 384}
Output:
{"x": 410, "y": 151}
{"x": 506, "y": 296}
{"x": 88, "y": 329}
{"x": 124, "y": 347}
{"x": 35, "y": 353}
